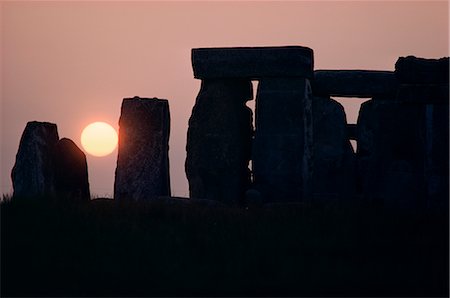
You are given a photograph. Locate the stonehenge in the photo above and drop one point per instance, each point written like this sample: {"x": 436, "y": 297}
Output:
{"x": 142, "y": 170}
{"x": 301, "y": 147}
{"x": 220, "y": 145}
{"x": 49, "y": 167}
{"x": 297, "y": 149}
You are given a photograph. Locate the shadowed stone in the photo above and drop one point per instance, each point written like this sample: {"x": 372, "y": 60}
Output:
{"x": 219, "y": 141}
{"x": 424, "y": 94}
{"x": 391, "y": 153}
{"x": 334, "y": 159}
{"x": 252, "y": 62}
{"x": 142, "y": 171}
{"x": 352, "y": 131}
{"x": 282, "y": 151}
{"x": 32, "y": 174}
{"x": 414, "y": 70}
{"x": 71, "y": 173}
{"x": 354, "y": 83}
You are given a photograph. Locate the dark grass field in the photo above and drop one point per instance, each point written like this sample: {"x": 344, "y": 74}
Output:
{"x": 103, "y": 248}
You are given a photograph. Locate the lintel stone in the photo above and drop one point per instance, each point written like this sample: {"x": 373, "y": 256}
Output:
{"x": 252, "y": 62}
{"x": 353, "y": 83}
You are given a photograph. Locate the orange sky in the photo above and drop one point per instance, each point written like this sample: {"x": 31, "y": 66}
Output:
{"x": 71, "y": 63}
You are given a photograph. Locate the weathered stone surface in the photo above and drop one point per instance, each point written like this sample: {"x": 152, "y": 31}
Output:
{"x": 142, "y": 171}
{"x": 352, "y": 131}
{"x": 424, "y": 93}
{"x": 219, "y": 141}
{"x": 422, "y": 71}
{"x": 354, "y": 83}
{"x": 32, "y": 174}
{"x": 71, "y": 173}
{"x": 437, "y": 156}
{"x": 252, "y": 62}
{"x": 282, "y": 151}
{"x": 334, "y": 159}
{"x": 391, "y": 153}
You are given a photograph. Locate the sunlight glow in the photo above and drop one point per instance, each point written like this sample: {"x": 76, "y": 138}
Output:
{"x": 99, "y": 139}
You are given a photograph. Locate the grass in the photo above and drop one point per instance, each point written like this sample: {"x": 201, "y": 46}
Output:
{"x": 103, "y": 248}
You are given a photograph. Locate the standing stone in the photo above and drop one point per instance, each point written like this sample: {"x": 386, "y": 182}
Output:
{"x": 282, "y": 154}
{"x": 219, "y": 141}
{"x": 71, "y": 173}
{"x": 32, "y": 174}
{"x": 390, "y": 153}
{"x": 334, "y": 159}
{"x": 142, "y": 171}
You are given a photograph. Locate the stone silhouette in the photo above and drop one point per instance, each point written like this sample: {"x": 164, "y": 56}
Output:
{"x": 354, "y": 83}
{"x": 33, "y": 172}
{"x": 142, "y": 171}
{"x": 219, "y": 135}
{"x": 403, "y": 139}
{"x": 334, "y": 159}
{"x": 71, "y": 173}
{"x": 413, "y": 70}
{"x": 219, "y": 141}
{"x": 282, "y": 153}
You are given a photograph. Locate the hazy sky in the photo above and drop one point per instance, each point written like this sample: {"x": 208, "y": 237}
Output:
{"x": 71, "y": 63}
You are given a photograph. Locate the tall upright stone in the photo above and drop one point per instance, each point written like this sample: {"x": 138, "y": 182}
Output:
{"x": 425, "y": 87}
{"x": 334, "y": 159}
{"x": 282, "y": 153}
{"x": 142, "y": 171}
{"x": 71, "y": 172}
{"x": 219, "y": 141}
{"x": 33, "y": 171}
{"x": 390, "y": 153}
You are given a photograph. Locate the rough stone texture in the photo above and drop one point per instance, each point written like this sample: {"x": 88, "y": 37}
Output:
{"x": 437, "y": 156}
{"x": 282, "y": 151}
{"x": 334, "y": 159}
{"x": 424, "y": 94}
{"x": 414, "y": 70}
{"x": 391, "y": 153}
{"x": 354, "y": 83}
{"x": 71, "y": 173}
{"x": 252, "y": 62}
{"x": 32, "y": 174}
{"x": 219, "y": 141}
{"x": 142, "y": 171}
{"x": 352, "y": 131}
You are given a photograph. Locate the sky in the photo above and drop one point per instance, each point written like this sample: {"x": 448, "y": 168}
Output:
{"x": 72, "y": 63}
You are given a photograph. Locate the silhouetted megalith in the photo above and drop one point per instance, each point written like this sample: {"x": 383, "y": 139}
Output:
{"x": 33, "y": 171}
{"x": 219, "y": 141}
{"x": 354, "y": 83}
{"x": 71, "y": 173}
{"x": 143, "y": 163}
{"x": 412, "y": 70}
{"x": 334, "y": 159}
{"x": 282, "y": 151}
{"x": 252, "y": 62}
{"x": 424, "y": 94}
{"x": 391, "y": 153}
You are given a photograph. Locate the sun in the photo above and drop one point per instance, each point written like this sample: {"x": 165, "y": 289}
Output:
{"x": 99, "y": 139}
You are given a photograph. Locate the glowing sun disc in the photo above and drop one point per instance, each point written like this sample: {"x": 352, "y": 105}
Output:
{"x": 99, "y": 139}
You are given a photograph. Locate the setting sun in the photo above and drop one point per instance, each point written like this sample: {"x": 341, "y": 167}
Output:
{"x": 99, "y": 139}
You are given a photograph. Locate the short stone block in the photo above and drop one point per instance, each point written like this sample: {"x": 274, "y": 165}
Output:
{"x": 354, "y": 83}
{"x": 252, "y": 62}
